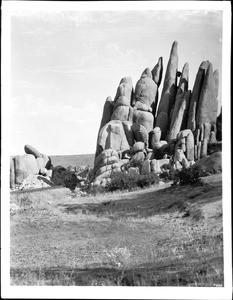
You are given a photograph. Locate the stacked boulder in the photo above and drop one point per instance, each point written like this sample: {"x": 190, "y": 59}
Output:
{"x": 203, "y": 109}
{"x": 138, "y": 134}
{"x": 31, "y": 163}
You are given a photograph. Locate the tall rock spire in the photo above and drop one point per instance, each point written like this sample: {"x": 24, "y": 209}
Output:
{"x": 169, "y": 91}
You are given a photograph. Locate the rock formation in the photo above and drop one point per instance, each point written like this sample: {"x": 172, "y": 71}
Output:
{"x": 169, "y": 92}
{"x": 138, "y": 134}
{"x": 31, "y": 163}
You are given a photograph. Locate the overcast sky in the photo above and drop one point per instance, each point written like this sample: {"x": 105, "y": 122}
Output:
{"x": 65, "y": 64}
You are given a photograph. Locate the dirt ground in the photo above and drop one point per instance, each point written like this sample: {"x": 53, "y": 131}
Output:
{"x": 161, "y": 235}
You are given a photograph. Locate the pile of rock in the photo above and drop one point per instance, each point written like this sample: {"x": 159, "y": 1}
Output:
{"x": 34, "y": 182}
{"x": 138, "y": 132}
{"x": 31, "y": 163}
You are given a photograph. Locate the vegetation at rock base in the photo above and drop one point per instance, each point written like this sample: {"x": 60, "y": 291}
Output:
{"x": 129, "y": 181}
{"x": 189, "y": 176}
{"x": 62, "y": 176}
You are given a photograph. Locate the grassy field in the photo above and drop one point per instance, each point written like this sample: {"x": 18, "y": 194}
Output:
{"x": 73, "y": 160}
{"x": 159, "y": 236}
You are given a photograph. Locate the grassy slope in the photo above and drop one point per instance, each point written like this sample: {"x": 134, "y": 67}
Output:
{"x": 170, "y": 236}
{"x": 73, "y": 160}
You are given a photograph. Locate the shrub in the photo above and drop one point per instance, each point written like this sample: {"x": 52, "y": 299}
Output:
{"x": 166, "y": 176}
{"x": 70, "y": 180}
{"x": 189, "y": 176}
{"x": 147, "y": 180}
{"x": 62, "y": 176}
{"x": 121, "y": 181}
{"x": 127, "y": 181}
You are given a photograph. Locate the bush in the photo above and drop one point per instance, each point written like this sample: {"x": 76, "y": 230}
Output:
{"x": 121, "y": 181}
{"x": 147, "y": 180}
{"x": 126, "y": 181}
{"x": 166, "y": 176}
{"x": 62, "y": 176}
{"x": 188, "y": 176}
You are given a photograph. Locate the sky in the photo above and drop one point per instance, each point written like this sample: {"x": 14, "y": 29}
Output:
{"x": 64, "y": 64}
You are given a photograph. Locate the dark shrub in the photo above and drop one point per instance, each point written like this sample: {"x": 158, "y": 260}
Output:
{"x": 188, "y": 176}
{"x": 121, "y": 181}
{"x": 70, "y": 180}
{"x": 126, "y": 181}
{"x": 57, "y": 175}
{"x": 167, "y": 175}
{"x": 61, "y": 176}
{"x": 147, "y": 180}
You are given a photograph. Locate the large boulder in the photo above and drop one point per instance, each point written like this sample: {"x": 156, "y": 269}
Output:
{"x": 140, "y": 133}
{"x": 159, "y": 144}
{"x": 138, "y": 146}
{"x": 31, "y": 150}
{"x": 185, "y": 141}
{"x": 210, "y": 164}
{"x": 137, "y": 158}
{"x": 146, "y": 168}
{"x": 144, "y": 118}
{"x": 105, "y": 164}
{"x": 121, "y": 101}
{"x": 157, "y": 165}
{"x": 40, "y": 162}
{"x": 106, "y": 154}
{"x": 169, "y": 88}
{"x": 162, "y": 123}
{"x": 157, "y": 72}
{"x": 25, "y": 165}
{"x": 47, "y": 161}
{"x": 208, "y": 105}
{"x": 191, "y": 124}
{"x": 112, "y": 135}
{"x": 121, "y": 113}
{"x": 179, "y": 111}
{"x": 154, "y": 137}
{"x": 124, "y": 89}
{"x": 127, "y": 125}
{"x": 179, "y": 115}
{"x": 184, "y": 79}
{"x": 107, "y": 161}
{"x": 145, "y": 91}
{"x": 107, "y": 112}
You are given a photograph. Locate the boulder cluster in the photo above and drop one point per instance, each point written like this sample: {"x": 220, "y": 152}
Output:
{"x": 31, "y": 163}
{"x": 140, "y": 133}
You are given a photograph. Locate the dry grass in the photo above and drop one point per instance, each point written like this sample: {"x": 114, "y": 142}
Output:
{"x": 150, "y": 237}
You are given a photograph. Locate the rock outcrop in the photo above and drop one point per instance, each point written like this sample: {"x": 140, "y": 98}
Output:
{"x": 140, "y": 134}
{"x": 31, "y": 163}
{"x": 183, "y": 128}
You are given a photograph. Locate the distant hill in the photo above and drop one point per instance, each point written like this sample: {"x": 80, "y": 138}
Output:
{"x": 73, "y": 160}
